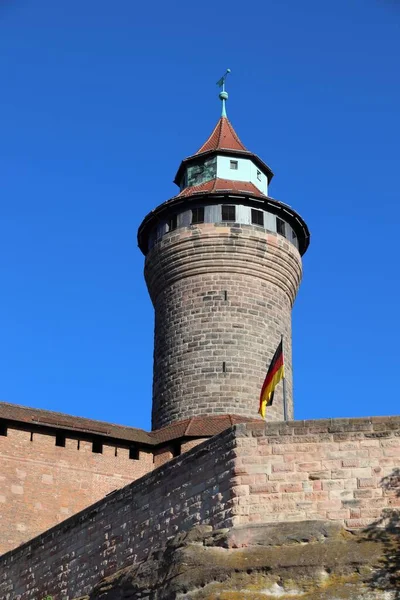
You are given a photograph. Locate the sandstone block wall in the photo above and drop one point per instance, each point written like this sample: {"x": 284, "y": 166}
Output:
{"x": 123, "y": 528}
{"x": 42, "y": 484}
{"x": 222, "y": 299}
{"x": 335, "y": 470}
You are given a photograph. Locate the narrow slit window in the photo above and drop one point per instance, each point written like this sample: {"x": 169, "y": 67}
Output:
{"x": 280, "y": 227}
{"x": 294, "y": 236}
{"x": 228, "y": 213}
{"x": 176, "y": 450}
{"x": 134, "y": 453}
{"x": 259, "y": 175}
{"x": 257, "y": 217}
{"x": 3, "y": 429}
{"x": 97, "y": 447}
{"x": 173, "y": 223}
{"x": 198, "y": 215}
{"x": 234, "y": 165}
{"x": 60, "y": 440}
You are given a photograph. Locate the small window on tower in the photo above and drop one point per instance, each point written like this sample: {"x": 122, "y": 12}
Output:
{"x": 198, "y": 215}
{"x": 173, "y": 223}
{"x": 234, "y": 165}
{"x": 294, "y": 236}
{"x": 257, "y": 217}
{"x": 228, "y": 213}
{"x": 258, "y": 175}
{"x": 280, "y": 227}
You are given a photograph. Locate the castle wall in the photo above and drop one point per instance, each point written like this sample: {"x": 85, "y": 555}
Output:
{"x": 42, "y": 484}
{"x": 123, "y": 527}
{"x": 222, "y": 297}
{"x": 334, "y": 470}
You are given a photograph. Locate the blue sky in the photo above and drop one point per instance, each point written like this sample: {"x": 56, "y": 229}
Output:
{"x": 101, "y": 100}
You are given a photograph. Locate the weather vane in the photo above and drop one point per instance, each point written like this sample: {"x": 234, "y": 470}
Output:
{"x": 223, "y": 95}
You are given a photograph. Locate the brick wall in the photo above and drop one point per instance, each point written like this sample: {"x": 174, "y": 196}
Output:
{"x": 329, "y": 470}
{"x": 332, "y": 470}
{"x": 68, "y": 560}
{"x": 42, "y": 484}
{"x": 222, "y": 297}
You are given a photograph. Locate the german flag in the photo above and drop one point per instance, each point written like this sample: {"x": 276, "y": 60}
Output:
{"x": 276, "y": 372}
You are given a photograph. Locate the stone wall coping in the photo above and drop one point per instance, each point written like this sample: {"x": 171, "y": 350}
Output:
{"x": 304, "y": 427}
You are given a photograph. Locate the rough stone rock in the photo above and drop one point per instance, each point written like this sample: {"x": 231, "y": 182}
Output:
{"x": 310, "y": 560}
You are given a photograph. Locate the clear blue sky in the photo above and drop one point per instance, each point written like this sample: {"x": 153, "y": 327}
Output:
{"x": 99, "y": 103}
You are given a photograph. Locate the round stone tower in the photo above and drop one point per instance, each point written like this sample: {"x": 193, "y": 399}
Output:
{"x": 223, "y": 266}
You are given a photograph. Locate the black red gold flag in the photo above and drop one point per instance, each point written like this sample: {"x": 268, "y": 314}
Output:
{"x": 275, "y": 373}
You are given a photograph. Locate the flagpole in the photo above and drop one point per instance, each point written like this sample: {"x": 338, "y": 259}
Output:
{"x": 285, "y": 415}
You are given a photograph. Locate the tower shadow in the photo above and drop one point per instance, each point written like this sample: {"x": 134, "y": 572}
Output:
{"x": 386, "y": 531}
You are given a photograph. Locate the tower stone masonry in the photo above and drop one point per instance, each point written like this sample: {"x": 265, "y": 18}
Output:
{"x": 223, "y": 267}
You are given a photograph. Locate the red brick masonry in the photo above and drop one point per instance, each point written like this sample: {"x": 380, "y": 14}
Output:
{"x": 41, "y": 484}
{"x": 331, "y": 469}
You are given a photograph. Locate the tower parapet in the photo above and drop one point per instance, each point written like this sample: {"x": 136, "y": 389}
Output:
{"x": 223, "y": 267}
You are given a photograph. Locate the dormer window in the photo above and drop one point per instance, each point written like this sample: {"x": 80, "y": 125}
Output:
{"x": 258, "y": 175}
{"x": 234, "y": 164}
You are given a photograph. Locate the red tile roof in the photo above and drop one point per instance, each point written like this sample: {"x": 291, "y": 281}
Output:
{"x": 197, "y": 427}
{"x": 224, "y": 140}
{"x": 224, "y": 137}
{"x": 222, "y": 185}
{"x": 205, "y": 426}
{"x": 49, "y": 418}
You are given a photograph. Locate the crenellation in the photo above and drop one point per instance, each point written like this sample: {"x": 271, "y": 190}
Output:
{"x": 38, "y": 478}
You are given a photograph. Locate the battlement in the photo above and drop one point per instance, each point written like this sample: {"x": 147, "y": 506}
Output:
{"x": 54, "y": 465}
{"x": 331, "y": 470}
{"x": 50, "y": 472}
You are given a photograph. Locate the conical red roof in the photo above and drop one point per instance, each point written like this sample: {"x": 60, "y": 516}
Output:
{"x": 225, "y": 140}
{"x": 223, "y": 137}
